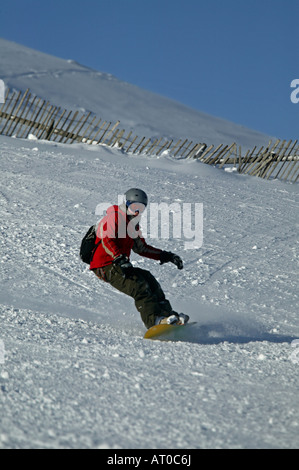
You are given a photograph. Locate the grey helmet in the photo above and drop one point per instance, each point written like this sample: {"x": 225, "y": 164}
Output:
{"x": 136, "y": 195}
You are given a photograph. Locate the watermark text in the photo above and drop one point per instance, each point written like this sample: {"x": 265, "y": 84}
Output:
{"x": 2, "y": 352}
{"x": 181, "y": 221}
{"x": 295, "y": 92}
{"x": 2, "y": 92}
{"x": 294, "y": 357}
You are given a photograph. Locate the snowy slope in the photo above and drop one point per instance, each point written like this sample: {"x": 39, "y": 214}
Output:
{"x": 75, "y": 371}
{"x": 73, "y": 86}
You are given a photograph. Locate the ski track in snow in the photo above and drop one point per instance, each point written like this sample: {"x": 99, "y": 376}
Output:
{"x": 77, "y": 372}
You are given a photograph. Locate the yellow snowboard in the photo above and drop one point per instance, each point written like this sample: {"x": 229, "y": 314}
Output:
{"x": 156, "y": 331}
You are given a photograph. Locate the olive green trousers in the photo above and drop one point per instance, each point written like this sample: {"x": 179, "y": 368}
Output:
{"x": 142, "y": 286}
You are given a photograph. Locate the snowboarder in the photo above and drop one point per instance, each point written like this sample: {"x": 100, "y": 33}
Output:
{"x": 119, "y": 233}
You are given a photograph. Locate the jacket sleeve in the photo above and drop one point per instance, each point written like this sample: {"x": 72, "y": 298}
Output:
{"x": 143, "y": 249}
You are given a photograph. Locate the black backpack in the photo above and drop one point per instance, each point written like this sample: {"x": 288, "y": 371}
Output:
{"x": 89, "y": 245}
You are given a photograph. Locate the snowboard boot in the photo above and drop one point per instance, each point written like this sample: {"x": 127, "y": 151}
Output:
{"x": 174, "y": 319}
{"x": 183, "y": 318}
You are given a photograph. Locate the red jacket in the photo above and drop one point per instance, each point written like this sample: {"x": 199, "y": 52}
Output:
{"x": 114, "y": 232}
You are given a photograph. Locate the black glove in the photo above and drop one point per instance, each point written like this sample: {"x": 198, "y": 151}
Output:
{"x": 124, "y": 264}
{"x": 167, "y": 256}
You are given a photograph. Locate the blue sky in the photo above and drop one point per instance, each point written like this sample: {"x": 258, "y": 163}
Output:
{"x": 233, "y": 59}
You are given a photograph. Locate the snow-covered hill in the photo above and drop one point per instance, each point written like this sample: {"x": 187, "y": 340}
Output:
{"x": 73, "y": 86}
{"x": 75, "y": 371}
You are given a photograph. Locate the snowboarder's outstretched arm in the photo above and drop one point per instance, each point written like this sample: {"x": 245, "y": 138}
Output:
{"x": 143, "y": 249}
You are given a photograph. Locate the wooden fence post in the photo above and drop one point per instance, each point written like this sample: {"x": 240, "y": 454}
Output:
{"x": 282, "y": 157}
{"x": 292, "y": 165}
{"x": 3, "y": 104}
{"x": 97, "y": 133}
{"x": 51, "y": 129}
{"x": 35, "y": 117}
{"x": 23, "y": 120}
{"x": 246, "y": 159}
{"x": 144, "y": 146}
{"x": 262, "y": 162}
{"x": 219, "y": 156}
{"x": 56, "y": 128}
{"x": 162, "y": 148}
{"x": 201, "y": 151}
{"x": 279, "y": 159}
{"x": 132, "y": 143}
{"x": 254, "y": 160}
{"x": 115, "y": 133}
{"x": 45, "y": 129}
{"x": 151, "y": 147}
{"x": 105, "y": 130}
{"x": 229, "y": 151}
{"x": 110, "y": 131}
{"x": 117, "y": 139}
{"x": 77, "y": 135}
{"x": 88, "y": 137}
{"x": 180, "y": 147}
{"x": 73, "y": 132}
{"x": 19, "y": 134}
{"x": 155, "y": 145}
{"x": 11, "y": 112}
{"x": 125, "y": 140}
{"x": 265, "y": 161}
{"x": 43, "y": 124}
{"x": 17, "y": 118}
{"x": 208, "y": 158}
{"x": 66, "y": 132}
{"x": 84, "y": 138}
{"x": 176, "y": 145}
{"x": 8, "y": 101}
{"x": 186, "y": 149}
{"x": 136, "y": 148}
